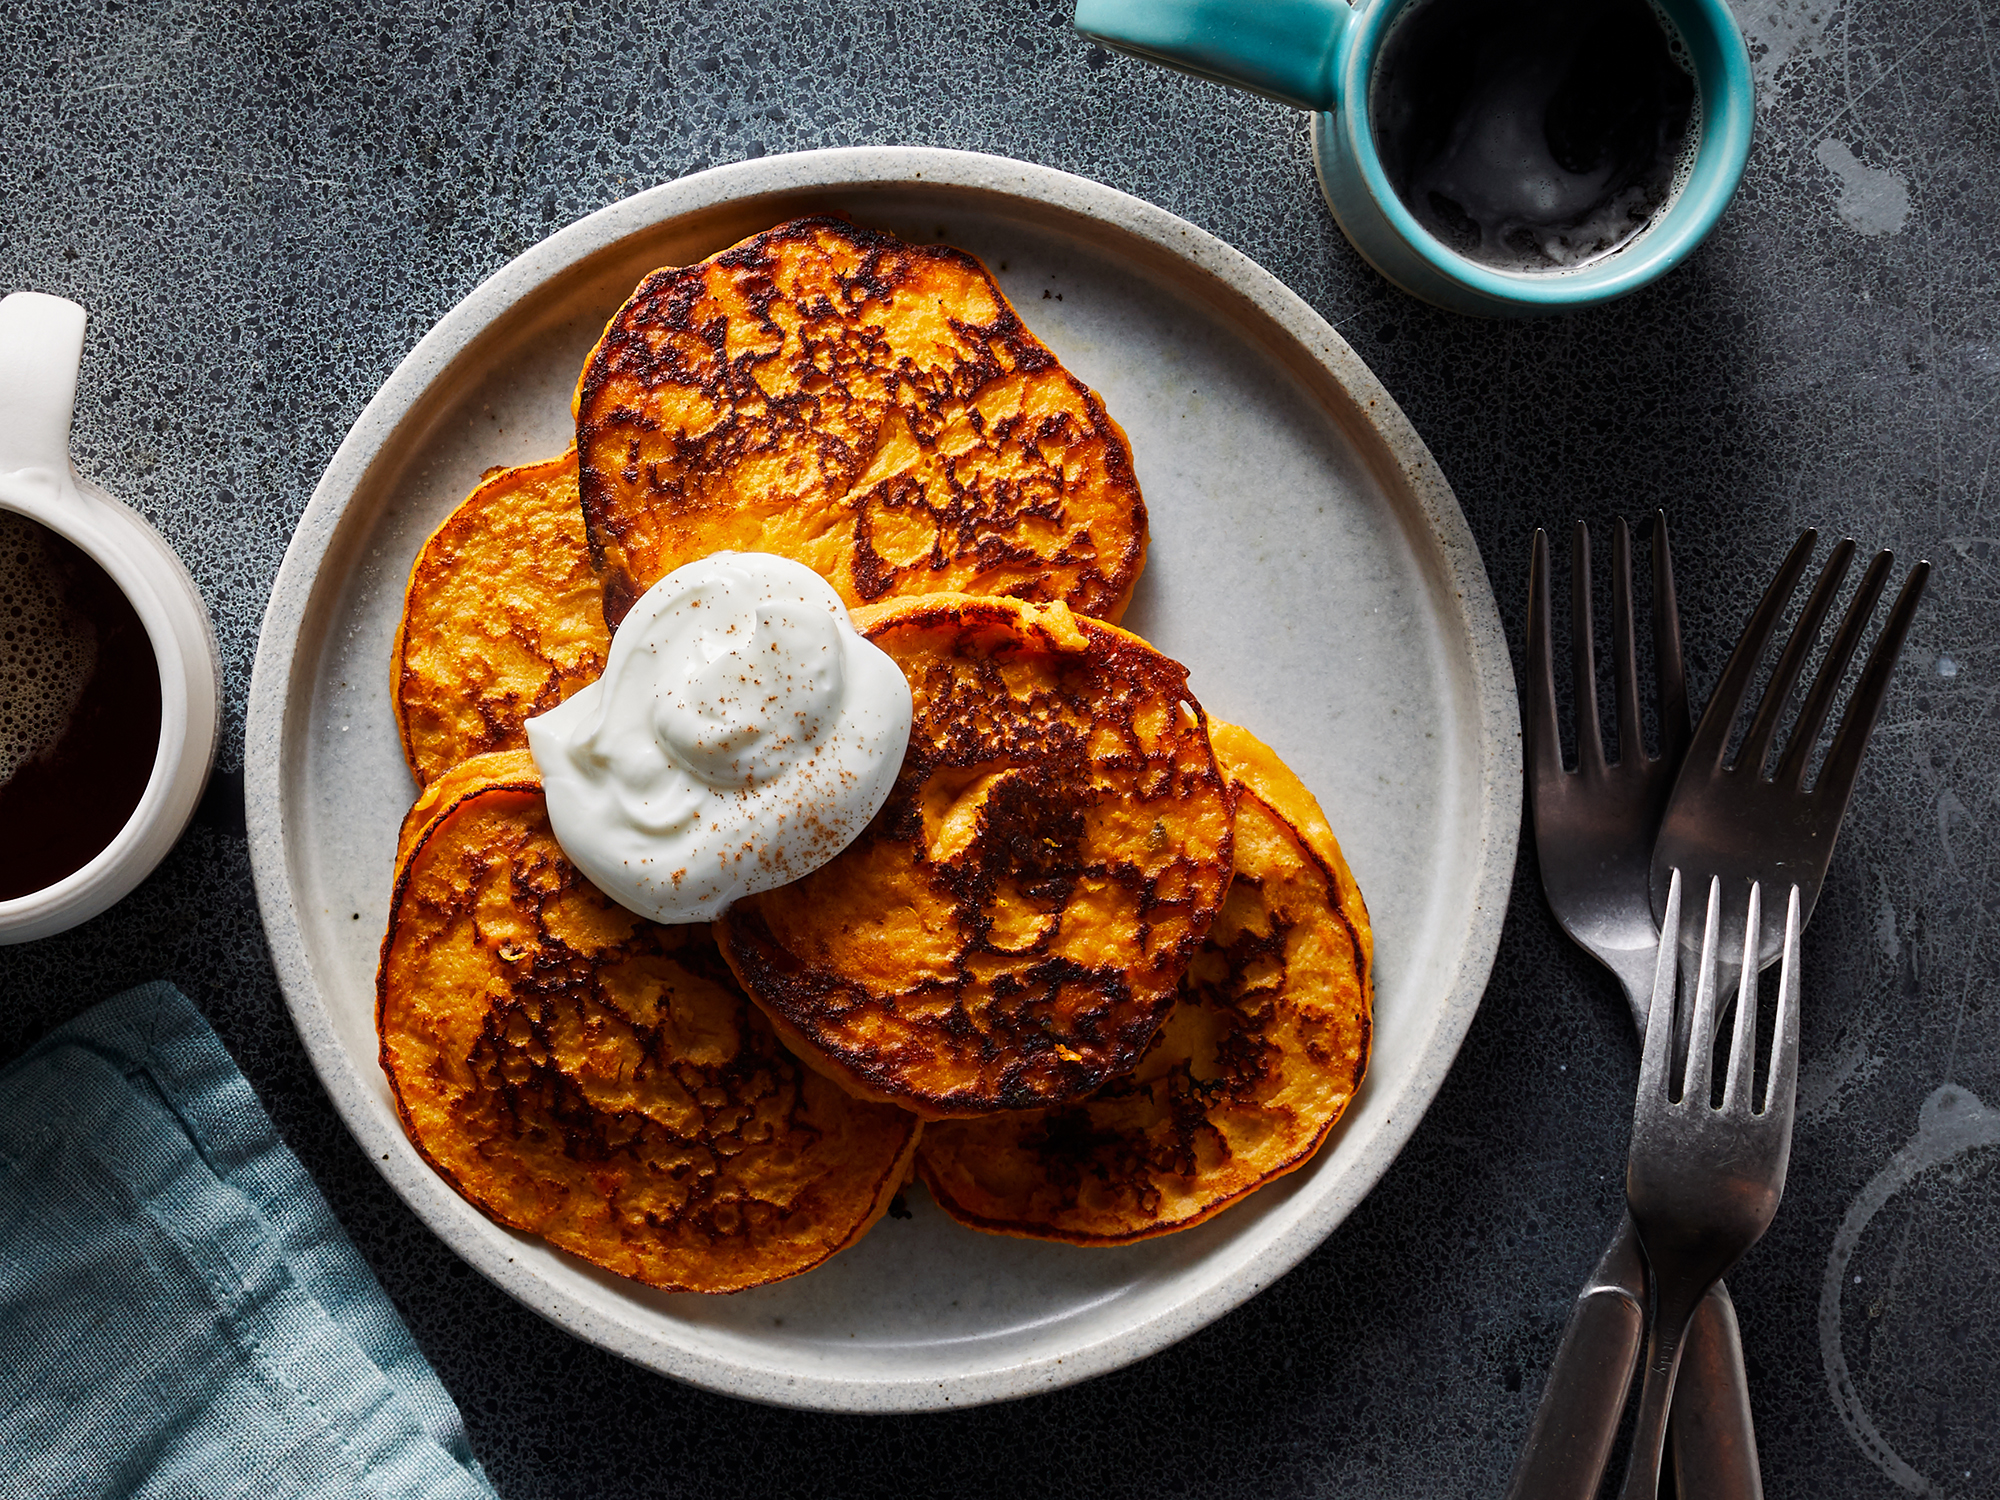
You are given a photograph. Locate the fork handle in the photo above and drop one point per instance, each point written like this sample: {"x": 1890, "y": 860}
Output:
{"x": 1675, "y": 1300}
{"x": 1714, "y": 1445}
{"x": 1571, "y": 1438}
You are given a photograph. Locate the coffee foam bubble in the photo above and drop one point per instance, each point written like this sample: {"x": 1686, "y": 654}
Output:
{"x": 47, "y": 649}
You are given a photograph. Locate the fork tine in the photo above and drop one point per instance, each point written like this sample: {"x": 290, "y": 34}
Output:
{"x": 1736, "y": 1093}
{"x": 1670, "y": 687}
{"x": 1843, "y": 761}
{"x": 1782, "y": 1090}
{"x": 1701, "y": 1044}
{"x": 1757, "y": 743}
{"x": 1543, "y": 733}
{"x": 1624, "y": 665}
{"x": 1659, "y": 1045}
{"x": 1589, "y": 736}
{"x": 1711, "y": 736}
{"x": 1791, "y": 770}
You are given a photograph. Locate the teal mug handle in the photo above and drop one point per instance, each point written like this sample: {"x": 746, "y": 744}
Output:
{"x": 1282, "y": 49}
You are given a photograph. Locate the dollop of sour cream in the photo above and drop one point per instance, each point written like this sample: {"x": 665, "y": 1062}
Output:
{"x": 742, "y": 735}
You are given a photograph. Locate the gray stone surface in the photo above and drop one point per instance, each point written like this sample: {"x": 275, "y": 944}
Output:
{"x": 264, "y": 207}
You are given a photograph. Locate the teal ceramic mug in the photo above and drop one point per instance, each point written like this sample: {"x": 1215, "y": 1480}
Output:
{"x": 1321, "y": 55}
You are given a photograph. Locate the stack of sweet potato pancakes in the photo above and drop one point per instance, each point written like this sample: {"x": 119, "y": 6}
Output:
{"x": 1094, "y": 973}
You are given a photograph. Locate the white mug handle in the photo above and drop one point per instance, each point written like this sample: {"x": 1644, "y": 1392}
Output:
{"x": 41, "y": 347}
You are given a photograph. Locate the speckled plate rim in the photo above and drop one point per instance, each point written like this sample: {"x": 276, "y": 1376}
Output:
{"x": 280, "y": 695}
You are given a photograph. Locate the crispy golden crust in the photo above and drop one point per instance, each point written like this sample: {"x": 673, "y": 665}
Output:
{"x": 1009, "y": 930}
{"x": 514, "y": 768}
{"x": 871, "y": 408}
{"x": 504, "y": 618}
{"x": 1259, "y": 1059}
{"x": 582, "y": 1074}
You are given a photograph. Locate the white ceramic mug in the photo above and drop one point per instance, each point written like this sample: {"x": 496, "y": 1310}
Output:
{"x": 41, "y": 347}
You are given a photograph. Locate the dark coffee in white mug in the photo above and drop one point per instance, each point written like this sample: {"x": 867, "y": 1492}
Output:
{"x": 79, "y": 708}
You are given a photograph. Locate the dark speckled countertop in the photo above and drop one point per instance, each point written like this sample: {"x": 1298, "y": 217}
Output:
{"x": 265, "y": 206}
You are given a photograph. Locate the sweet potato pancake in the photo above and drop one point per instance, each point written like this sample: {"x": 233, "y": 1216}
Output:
{"x": 504, "y": 618}
{"x": 1009, "y": 931}
{"x": 873, "y": 409}
{"x": 580, "y": 1073}
{"x": 1258, "y": 1060}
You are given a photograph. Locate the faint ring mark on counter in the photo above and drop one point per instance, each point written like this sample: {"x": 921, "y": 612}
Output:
{"x": 1951, "y": 1122}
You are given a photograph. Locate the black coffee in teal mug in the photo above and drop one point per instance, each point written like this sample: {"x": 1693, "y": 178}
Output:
{"x": 1497, "y": 157}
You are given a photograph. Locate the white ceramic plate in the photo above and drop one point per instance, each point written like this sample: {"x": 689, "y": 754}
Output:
{"x": 1308, "y": 563}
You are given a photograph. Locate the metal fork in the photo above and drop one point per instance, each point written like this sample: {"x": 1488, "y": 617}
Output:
{"x": 1703, "y": 1182}
{"x": 1733, "y": 821}
{"x": 1594, "y": 829}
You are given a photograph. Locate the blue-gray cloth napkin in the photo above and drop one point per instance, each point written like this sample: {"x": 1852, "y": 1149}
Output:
{"x": 180, "y": 1313}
